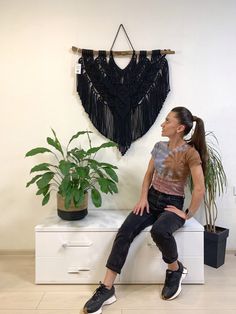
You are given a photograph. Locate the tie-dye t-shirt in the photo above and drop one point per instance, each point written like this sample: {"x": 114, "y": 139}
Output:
{"x": 172, "y": 167}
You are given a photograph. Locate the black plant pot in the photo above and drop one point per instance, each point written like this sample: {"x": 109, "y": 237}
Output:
{"x": 214, "y": 247}
{"x": 72, "y": 213}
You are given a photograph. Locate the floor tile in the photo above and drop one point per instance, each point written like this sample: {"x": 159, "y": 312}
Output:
{"x": 19, "y": 300}
{"x": 63, "y": 300}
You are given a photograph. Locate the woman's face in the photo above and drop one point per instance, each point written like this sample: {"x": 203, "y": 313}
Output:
{"x": 171, "y": 126}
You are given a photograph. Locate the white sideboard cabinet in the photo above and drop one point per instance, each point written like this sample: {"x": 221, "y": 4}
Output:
{"x": 75, "y": 252}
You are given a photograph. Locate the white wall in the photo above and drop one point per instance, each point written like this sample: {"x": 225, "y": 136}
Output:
{"x": 37, "y": 89}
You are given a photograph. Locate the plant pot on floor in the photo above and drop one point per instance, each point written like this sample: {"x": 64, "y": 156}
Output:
{"x": 215, "y": 246}
{"x": 72, "y": 213}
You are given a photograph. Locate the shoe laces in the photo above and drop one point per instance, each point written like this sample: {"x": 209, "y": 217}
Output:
{"x": 100, "y": 290}
{"x": 171, "y": 277}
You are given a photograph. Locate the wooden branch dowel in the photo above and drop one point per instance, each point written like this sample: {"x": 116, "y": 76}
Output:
{"x": 125, "y": 52}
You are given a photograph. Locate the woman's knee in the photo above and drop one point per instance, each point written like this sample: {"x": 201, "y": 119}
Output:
{"x": 125, "y": 234}
{"x": 159, "y": 233}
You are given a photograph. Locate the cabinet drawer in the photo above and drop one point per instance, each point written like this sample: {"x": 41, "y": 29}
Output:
{"x": 62, "y": 270}
{"x": 87, "y": 245}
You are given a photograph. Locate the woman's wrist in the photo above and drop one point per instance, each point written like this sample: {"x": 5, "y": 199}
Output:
{"x": 188, "y": 214}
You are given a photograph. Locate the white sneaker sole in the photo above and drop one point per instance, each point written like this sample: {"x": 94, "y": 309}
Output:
{"x": 107, "y": 302}
{"x": 184, "y": 274}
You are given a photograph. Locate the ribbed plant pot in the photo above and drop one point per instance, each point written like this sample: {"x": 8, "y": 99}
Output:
{"x": 72, "y": 213}
{"x": 215, "y": 246}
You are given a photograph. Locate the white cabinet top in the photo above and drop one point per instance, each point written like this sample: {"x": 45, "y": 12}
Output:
{"x": 100, "y": 220}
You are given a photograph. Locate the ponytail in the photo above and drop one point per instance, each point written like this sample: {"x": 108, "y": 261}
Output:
{"x": 197, "y": 140}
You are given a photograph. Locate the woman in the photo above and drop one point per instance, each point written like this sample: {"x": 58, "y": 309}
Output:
{"x": 161, "y": 204}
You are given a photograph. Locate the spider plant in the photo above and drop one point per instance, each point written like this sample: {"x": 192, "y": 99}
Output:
{"x": 215, "y": 182}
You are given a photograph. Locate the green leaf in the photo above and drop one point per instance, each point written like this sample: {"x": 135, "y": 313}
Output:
{"x": 44, "y": 181}
{"x": 46, "y": 199}
{"x": 44, "y": 190}
{"x": 104, "y": 185}
{"x": 108, "y": 144}
{"x": 65, "y": 184}
{"x": 100, "y": 173}
{"x": 78, "y": 197}
{"x": 104, "y": 164}
{"x": 37, "y": 150}
{"x": 55, "y": 144}
{"x": 65, "y": 166}
{"x": 78, "y": 153}
{"x": 40, "y": 167}
{"x": 104, "y": 145}
{"x": 68, "y": 197}
{"x": 78, "y": 134}
{"x": 54, "y": 133}
{"x": 113, "y": 186}
{"x": 84, "y": 184}
{"x": 96, "y": 197}
{"x": 83, "y": 172}
{"x": 33, "y": 180}
{"x": 58, "y": 144}
{"x": 111, "y": 174}
{"x": 93, "y": 150}
{"x": 92, "y": 163}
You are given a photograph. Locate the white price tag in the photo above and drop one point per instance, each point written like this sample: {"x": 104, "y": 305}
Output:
{"x": 78, "y": 68}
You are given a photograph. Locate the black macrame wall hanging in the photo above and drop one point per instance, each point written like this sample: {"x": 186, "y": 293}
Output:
{"x": 123, "y": 103}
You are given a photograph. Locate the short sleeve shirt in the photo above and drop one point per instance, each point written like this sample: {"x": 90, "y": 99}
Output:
{"x": 172, "y": 167}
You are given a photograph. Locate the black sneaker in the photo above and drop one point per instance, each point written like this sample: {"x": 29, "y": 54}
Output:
{"x": 101, "y": 296}
{"x": 172, "y": 286}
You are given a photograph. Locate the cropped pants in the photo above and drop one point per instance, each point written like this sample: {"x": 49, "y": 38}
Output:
{"x": 164, "y": 224}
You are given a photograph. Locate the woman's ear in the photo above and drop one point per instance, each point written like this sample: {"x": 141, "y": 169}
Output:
{"x": 180, "y": 128}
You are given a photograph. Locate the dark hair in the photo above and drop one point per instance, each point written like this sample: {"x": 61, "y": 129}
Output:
{"x": 197, "y": 140}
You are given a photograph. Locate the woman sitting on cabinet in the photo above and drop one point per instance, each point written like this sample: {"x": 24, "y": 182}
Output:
{"x": 161, "y": 204}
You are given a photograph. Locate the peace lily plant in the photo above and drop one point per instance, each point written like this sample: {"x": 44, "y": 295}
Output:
{"x": 74, "y": 172}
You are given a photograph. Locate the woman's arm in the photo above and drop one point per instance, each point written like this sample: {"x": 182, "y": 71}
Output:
{"x": 197, "y": 194}
{"x": 198, "y": 190}
{"x": 143, "y": 202}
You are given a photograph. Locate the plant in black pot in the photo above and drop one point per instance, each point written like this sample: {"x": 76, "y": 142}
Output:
{"x": 215, "y": 184}
{"x": 74, "y": 172}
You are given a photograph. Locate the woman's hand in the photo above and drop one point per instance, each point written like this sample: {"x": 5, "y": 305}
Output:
{"x": 177, "y": 211}
{"x": 140, "y": 207}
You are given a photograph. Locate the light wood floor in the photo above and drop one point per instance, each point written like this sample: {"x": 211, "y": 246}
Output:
{"x": 19, "y": 294}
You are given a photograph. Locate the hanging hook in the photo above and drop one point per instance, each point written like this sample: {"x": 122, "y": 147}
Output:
{"x": 121, "y": 25}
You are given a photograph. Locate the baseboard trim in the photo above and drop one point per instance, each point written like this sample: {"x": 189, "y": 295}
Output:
{"x": 32, "y": 252}
{"x": 17, "y": 252}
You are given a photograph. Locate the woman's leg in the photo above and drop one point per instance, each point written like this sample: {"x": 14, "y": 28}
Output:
{"x": 109, "y": 279}
{"x": 173, "y": 266}
{"x": 105, "y": 293}
{"x": 162, "y": 234}
{"x": 130, "y": 228}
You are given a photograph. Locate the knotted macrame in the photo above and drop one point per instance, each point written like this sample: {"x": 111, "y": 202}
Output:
{"x": 123, "y": 103}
